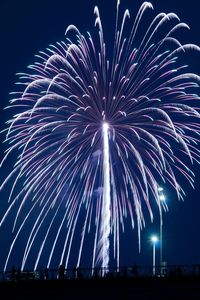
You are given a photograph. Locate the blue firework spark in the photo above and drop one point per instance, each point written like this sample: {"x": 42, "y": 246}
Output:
{"x": 76, "y": 100}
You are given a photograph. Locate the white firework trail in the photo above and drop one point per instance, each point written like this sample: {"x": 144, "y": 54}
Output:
{"x": 106, "y": 201}
{"x": 120, "y": 124}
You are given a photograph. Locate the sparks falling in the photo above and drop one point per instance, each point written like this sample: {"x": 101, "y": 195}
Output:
{"x": 71, "y": 171}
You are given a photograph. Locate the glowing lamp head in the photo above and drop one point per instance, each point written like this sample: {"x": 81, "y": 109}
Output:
{"x": 154, "y": 239}
{"x": 162, "y": 197}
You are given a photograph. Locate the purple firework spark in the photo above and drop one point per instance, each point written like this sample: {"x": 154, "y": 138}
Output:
{"x": 95, "y": 133}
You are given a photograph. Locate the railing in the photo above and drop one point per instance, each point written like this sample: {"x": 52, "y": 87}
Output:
{"x": 87, "y": 273}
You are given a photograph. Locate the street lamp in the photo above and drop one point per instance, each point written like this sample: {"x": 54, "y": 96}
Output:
{"x": 162, "y": 205}
{"x": 154, "y": 240}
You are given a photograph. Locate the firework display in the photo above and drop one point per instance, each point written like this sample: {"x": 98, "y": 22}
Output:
{"x": 97, "y": 129}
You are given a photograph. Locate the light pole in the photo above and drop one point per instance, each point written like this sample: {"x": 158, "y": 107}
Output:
{"x": 161, "y": 205}
{"x": 154, "y": 240}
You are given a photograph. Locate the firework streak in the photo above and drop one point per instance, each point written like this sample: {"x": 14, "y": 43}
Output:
{"x": 97, "y": 132}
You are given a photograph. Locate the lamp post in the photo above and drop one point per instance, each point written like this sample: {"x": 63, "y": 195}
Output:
{"x": 154, "y": 240}
{"x": 162, "y": 202}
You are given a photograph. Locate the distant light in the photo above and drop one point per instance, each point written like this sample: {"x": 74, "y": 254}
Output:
{"x": 162, "y": 197}
{"x": 160, "y": 189}
{"x": 154, "y": 238}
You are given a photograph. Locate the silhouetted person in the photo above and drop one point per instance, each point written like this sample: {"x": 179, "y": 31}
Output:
{"x": 124, "y": 272}
{"x": 75, "y": 272}
{"x": 179, "y": 272}
{"x": 46, "y": 273}
{"x": 18, "y": 275}
{"x": 41, "y": 273}
{"x": 171, "y": 272}
{"x": 13, "y": 273}
{"x": 61, "y": 272}
{"x": 135, "y": 271}
{"x": 193, "y": 270}
{"x": 79, "y": 273}
{"x": 96, "y": 273}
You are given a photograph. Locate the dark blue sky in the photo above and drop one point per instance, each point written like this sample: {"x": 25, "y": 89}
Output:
{"x": 29, "y": 26}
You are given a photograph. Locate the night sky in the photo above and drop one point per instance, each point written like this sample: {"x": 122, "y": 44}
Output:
{"x": 27, "y": 27}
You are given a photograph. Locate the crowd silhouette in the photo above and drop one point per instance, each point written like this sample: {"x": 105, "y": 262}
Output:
{"x": 61, "y": 273}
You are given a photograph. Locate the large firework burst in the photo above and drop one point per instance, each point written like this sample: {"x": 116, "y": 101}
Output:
{"x": 96, "y": 133}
